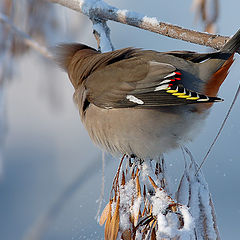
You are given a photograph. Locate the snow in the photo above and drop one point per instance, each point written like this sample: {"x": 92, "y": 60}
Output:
{"x": 150, "y": 20}
{"x": 145, "y": 172}
{"x": 205, "y": 198}
{"x": 164, "y": 213}
{"x": 160, "y": 202}
{"x": 164, "y": 228}
{"x": 105, "y": 44}
{"x": 135, "y": 209}
{"x": 122, "y": 12}
{"x": 137, "y": 17}
{"x": 193, "y": 192}
{"x": 88, "y": 5}
{"x": 168, "y": 224}
{"x": 188, "y": 219}
{"x": 126, "y": 193}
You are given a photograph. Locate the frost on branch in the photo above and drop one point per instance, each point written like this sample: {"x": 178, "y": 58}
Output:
{"x": 102, "y": 34}
{"x": 139, "y": 207}
{"x": 101, "y": 10}
{"x": 193, "y": 192}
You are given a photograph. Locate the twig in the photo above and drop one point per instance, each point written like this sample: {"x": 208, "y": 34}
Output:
{"x": 100, "y": 200}
{"x": 99, "y": 9}
{"x": 102, "y": 34}
{"x": 25, "y": 37}
{"x": 221, "y": 128}
{"x": 193, "y": 191}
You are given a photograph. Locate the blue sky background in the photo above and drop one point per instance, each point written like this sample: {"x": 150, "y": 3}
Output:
{"x": 47, "y": 147}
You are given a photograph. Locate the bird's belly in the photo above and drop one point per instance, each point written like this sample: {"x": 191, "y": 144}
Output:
{"x": 145, "y": 133}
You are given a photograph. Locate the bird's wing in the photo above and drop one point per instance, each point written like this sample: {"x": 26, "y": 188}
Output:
{"x": 198, "y": 57}
{"x": 136, "y": 82}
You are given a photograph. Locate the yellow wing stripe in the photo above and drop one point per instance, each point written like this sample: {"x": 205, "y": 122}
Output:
{"x": 172, "y": 91}
{"x": 178, "y": 94}
{"x": 183, "y": 96}
{"x": 193, "y": 98}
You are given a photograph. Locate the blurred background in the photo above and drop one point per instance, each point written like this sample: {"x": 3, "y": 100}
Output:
{"x": 51, "y": 172}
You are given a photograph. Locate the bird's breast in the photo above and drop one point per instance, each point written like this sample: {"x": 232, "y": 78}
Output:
{"x": 146, "y": 133}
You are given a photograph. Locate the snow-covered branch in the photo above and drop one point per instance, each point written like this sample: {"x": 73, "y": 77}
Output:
{"x": 100, "y": 10}
{"x": 102, "y": 34}
{"x": 193, "y": 192}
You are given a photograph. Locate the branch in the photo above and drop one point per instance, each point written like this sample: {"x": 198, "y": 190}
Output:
{"x": 221, "y": 128}
{"x": 99, "y": 9}
{"x": 101, "y": 32}
{"x": 26, "y": 38}
{"x": 194, "y": 193}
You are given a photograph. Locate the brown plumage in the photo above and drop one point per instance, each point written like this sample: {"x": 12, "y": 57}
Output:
{"x": 143, "y": 102}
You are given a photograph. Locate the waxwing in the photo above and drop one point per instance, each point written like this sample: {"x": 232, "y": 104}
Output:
{"x": 141, "y": 102}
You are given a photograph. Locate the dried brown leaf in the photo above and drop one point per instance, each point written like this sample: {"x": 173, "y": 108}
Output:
{"x": 144, "y": 210}
{"x": 150, "y": 208}
{"x": 153, "y": 234}
{"x": 114, "y": 225}
{"x": 137, "y": 172}
{"x": 173, "y": 207}
{"x": 153, "y": 183}
{"x": 108, "y": 223}
{"x": 144, "y": 191}
{"x": 104, "y": 214}
{"x": 123, "y": 179}
{"x": 138, "y": 186}
{"x": 133, "y": 174}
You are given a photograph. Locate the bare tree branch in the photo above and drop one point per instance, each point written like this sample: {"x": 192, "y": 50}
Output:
{"x": 99, "y": 9}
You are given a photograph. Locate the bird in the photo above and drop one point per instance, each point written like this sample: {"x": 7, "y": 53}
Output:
{"x": 144, "y": 103}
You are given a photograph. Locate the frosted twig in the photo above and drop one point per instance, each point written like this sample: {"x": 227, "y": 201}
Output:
{"x": 102, "y": 34}
{"x": 100, "y": 200}
{"x": 193, "y": 192}
{"x": 25, "y": 37}
{"x": 99, "y": 9}
{"x": 221, "y": 128}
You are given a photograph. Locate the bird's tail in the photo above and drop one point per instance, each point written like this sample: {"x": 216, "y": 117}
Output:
{"x": 216, "y": 62}
{"x": 215, "y": 70}
{"x": 233, "y": 44}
